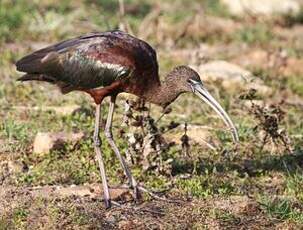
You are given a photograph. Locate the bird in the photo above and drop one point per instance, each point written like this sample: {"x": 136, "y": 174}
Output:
{"x": 104, "y": 64}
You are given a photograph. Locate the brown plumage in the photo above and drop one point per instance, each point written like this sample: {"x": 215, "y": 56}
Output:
{"x": 106, "y": 64}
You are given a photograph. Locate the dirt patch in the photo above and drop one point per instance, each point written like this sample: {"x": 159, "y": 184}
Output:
{"x": 51, "y": 207}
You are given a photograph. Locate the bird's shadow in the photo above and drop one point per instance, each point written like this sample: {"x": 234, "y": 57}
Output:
{"x": 287, "y": 163}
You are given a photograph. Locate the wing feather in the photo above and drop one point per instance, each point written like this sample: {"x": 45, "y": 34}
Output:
{"x": 90, "y": 61}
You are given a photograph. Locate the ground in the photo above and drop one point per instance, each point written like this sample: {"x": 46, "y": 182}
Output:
{"x": 256, "y": 184}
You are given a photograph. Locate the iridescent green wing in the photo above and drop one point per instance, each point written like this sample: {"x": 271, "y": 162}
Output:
{"x": 85, "y": 62}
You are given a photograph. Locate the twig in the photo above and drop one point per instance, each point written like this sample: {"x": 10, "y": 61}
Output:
{"x": 209, "y": 145}
{"x": 123, "y": 22}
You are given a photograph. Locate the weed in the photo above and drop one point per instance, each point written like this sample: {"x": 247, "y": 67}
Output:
{"x": 11, "y": 17}
{"x": 224, "y": 216}
{"x": 294, "y": 183}
{"x": 19, "y": 218}
{"x": 205, "y": 186}
{"x": 283, "y": 209}
{"x": 14, "y": 131}
{"x": 295, "y": 83}
{"x": 269, "y": 119}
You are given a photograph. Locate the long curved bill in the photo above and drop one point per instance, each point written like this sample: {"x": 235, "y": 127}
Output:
{"x": 201, "y": 92}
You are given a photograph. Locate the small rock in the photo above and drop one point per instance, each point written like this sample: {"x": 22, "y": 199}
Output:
{"x": 9, "y": 168}
{"x": 261, "y": 7}
{"x": 231, "y": 76}
{"x": 89, "y": 190}
{"x": 15, "y": 167}
{"x": 73, "y": 190}
{"x": 44, "y": 142}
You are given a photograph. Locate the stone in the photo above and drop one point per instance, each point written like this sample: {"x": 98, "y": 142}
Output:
{"x": 261, "y": 7}
{"x": 232, "y": 77}
{"x": 92, "y": 191}
{"x": 89, "y": 190}
{"x": 15, "y": 167}
{"x": 44, "y": 142}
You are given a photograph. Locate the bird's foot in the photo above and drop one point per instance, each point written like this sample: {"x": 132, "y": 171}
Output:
{"x": 108, "y": 203}
{"x": 155, "y": 194}
{"x": 135, "y": 191}
{"x": 138, "y": 190}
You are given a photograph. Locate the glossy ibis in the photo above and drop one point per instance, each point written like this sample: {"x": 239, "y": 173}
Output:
{"x": 106, "y": 64}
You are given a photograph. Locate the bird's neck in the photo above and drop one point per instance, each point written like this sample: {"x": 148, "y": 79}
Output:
{"x": 161, "y": 94}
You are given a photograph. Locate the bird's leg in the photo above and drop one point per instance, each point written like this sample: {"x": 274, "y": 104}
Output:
{"x": 97, "y": 147}
{"x": 132, "y": 182}
{"x": 109, "y": 136}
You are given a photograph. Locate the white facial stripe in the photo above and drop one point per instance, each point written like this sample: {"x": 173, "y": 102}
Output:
{"x": 193, "y": 83}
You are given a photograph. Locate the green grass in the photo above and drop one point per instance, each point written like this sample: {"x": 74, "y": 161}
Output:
{"x": 19, "y": 218}
{"x": 205, "y": 186}
{"x": 68, "y": 211}
{"x": 283, "y": 209}
{"x": 294, "y": 183}
{"x": 224, "y": 216}
{"x": 214, "y": 7}
{"x": 12, "y": 16}
{"x": 13, "y": 130}
{"x": 295, "y": 84}
{"x": 67, "y": 166}
{"x": 258, "y": 34}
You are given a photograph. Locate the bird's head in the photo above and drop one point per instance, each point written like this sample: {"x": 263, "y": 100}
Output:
{"x": 185, "y": 79}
